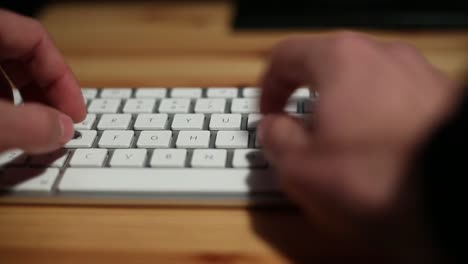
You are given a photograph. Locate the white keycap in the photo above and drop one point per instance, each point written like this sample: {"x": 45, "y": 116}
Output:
{"x": 151, "y": 180}
{"x": 251, "y": 92}
{"x": 114, "y": 121}
{"x": 104, "y": 106}
{"x": 248, "y": 158}
{"x": 225, "y": 122}
{"x": 174, "y": 106}
{"x": 55, "y": 159}
{"x": 151, "y": 92}
{"x": 12, "y": 157}
{"x": 116, "y": 93}
{"x": 253, "y": 120}
{"x": 86, "y": 124}
{"x": 116, "y": 139}
{"x": 183, "y": 92}
{"x": 136, "y": 106}
{"x": 28, "y": 179}
{"x": 291, "y": 107}
{"x": 154, "y": 139}
{"x": 89, "y": 93}
{"x": 188, "y": 122}
{"x": 151, "y": 122}
{"x": 88, "y": 158}
{"x": 209, "y": 106}
{"x": 245, "y": 105}
{"x": 232, "y": 139}
{"x": 209, "y": 158}
{"x": 193, "y": 139}
{"x": 301, "y": 93}
{"x": 128, "y": 158}
{"x": 17, "y": 99}
{"x": 222, "y": 92}
{"x": 85, "y": 140}
{"x": 174, "y": 158}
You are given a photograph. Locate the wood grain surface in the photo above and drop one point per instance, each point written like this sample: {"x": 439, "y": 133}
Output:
{"x": 174, "y": 44}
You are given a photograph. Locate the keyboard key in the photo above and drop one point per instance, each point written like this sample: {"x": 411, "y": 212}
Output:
{"x": 253, "y": 120}
{"x": 232, "y": 139}
{"x": 174, "y": 106}
{"x": 222, "y": 92}
{"x": 209, "y": 106}
{"x": 89, "y": 93}
{"x": 251, "y": 92}
{"x": 28, "y": 179}
{"x": 54, "y": 159}
{"x": 136, "y": 106}
{"x": 154, "y": 139}
{"x": 116, "y": 139}
{"x": 151, "y": 181}
{"x": 301, "y": 93}
{"x": 86, "y": 124}
{"x": 245, "y": 105}
{"x": 104, "y": 106}
{"x": 116, "y": 93}
{"x": 193, "y": 139}
{"x": 225, "y": 122}
{"x": 292, "y": 107}
{"x": 88, "y": 158}
{"x": 188, "y": 122}
{"x": 114, "y": 122}
{"x": 174, "y": 158}
{"x": 17, "y": 99}
{"x": 14, "y": 157}
{"x": 128, "y": 158}
{"x": 182, "y": 92}
{"x": 85, "y": 140}
{"x": 151, "y": 122}
{"x": 209, "y": 158}
{"x": 151, "y": 93}
{"x": 248, "y": 158}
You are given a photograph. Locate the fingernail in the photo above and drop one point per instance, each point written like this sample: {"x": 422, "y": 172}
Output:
{"x": 66, "y": 124}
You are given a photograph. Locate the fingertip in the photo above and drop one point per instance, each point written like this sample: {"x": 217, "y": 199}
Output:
{"x": 282, "y": 135}
{"x": 67, "y": 129}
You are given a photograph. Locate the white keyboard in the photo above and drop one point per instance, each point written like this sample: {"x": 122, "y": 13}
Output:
{"x": 184, "y": 144}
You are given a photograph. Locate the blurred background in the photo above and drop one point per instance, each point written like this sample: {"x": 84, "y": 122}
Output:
{"x": 227, "y": 42}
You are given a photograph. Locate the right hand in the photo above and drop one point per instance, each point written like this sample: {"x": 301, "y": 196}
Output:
{"x": 349, "y": 163}
{"x": 53, "y": 99}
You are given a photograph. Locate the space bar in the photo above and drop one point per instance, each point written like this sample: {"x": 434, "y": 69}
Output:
{"x": 148, "y": 180}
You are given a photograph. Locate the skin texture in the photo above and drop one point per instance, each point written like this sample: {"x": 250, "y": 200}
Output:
{"x": 50, "y": 91}
{"x": 348, "y": 164}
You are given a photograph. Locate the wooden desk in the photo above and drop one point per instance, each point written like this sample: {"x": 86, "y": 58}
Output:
{"x": 167, "y": 45}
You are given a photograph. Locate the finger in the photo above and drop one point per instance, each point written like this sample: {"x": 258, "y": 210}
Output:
{"x": 5, "y": 88}
{"x": 282, "y": 136}
{"x": 33, "y": 128}
{"x": 307, "y": 60}
{"x": 26, "y": 42}
{"x": 288, "y": 69}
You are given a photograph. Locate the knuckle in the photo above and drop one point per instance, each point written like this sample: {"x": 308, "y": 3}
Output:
{"x": 406, "y": 50}
{"x": 285, "y": 45}
{"x": 349, "y": 42}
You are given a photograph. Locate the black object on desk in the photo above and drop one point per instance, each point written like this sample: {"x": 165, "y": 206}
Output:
{"x": 379, "y": 14}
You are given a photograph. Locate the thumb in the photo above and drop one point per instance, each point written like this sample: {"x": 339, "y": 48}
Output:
{"x": 33, "y": 128}
{"x": 282, "y": 136}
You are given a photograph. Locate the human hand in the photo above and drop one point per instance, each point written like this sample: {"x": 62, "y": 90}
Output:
{"x": 53, "y": 100}
{"x": 348, "y": 164}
